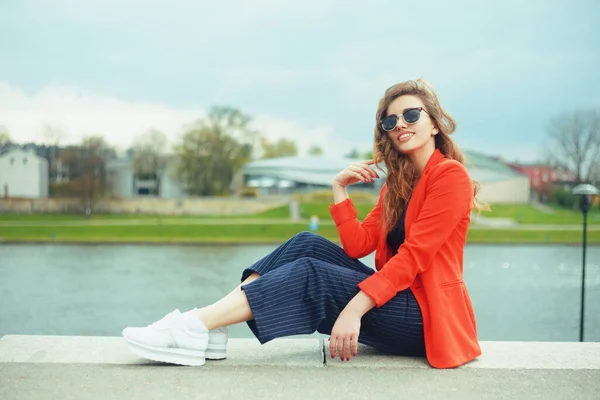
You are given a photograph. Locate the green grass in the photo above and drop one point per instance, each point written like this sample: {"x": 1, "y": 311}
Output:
{"x": 522, "y": 213}
{"x": 277, "y": 212}
{"x": 169, "y": 229}
{"x": 321, "y": 210}
{"x": 248, "y": 233}
{"x": 527, "y": 214}
{"x": 160, "y": 233}
{"x": 527, "y": 236}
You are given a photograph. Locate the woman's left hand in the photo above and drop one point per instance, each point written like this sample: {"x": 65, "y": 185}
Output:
{"x": 344, "y": 335}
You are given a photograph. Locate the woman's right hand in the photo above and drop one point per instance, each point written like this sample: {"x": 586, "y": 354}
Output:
{"x": 357, "y": 172}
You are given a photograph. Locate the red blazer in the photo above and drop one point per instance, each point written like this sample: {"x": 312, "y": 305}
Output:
{"x": 430, "y": 261}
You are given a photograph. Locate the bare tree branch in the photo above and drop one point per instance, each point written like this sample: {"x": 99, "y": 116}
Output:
{"x": 575, "y": 140}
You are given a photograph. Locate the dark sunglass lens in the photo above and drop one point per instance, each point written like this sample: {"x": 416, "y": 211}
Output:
{"x": 412, "y": 116}
{"x": 389, "y": 123}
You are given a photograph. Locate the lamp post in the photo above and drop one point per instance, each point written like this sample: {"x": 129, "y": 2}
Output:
{"x": 586, "y": 194}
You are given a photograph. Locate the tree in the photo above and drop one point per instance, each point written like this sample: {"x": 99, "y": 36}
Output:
{"x": 5, "y": 140}
{"x": 282, "y": 148}
{"x": 575, "y": 142}
{"x": 354, "y": 153}
{"x": 86, "y": 164}
{"x": 53, "y": 135}
{"x": 213, "y": 150}
{"x": 315, "y": 150}
{"x": 95, "y": 152}
{"x": 149, "y": 160}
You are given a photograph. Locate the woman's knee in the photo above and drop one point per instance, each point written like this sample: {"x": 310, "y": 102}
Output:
{"x": 311, "y": 237}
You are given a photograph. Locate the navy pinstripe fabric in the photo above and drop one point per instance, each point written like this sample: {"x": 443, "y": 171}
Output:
{"x": 307, "y": 281}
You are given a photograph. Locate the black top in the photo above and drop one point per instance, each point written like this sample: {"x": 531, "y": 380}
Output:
{"x": 397, "y": 235}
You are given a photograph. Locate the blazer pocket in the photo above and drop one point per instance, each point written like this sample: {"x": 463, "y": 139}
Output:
{"x": 452, "y": 283}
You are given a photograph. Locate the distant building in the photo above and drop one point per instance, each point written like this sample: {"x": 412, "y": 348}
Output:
{"x": 297, "y": 174}
{"x": 544, "y": 179}
{"x": 541, "y": 174}
{"x": 23, "y": 174}
{"x": 499, "y": 182}
{"x": 122, "y": 181}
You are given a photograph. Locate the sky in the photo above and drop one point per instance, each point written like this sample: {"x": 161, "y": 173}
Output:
{"x": 312, "y": 71}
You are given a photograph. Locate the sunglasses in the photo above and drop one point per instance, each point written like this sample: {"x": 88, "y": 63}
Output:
{"x": 410, "y": 116}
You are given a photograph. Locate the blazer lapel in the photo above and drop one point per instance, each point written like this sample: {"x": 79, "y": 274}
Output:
{"x": 418, "y": 196}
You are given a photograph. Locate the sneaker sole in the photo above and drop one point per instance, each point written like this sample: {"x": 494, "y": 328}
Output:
{"x": 216, "y": 352}
{"x": 167, "y": 355}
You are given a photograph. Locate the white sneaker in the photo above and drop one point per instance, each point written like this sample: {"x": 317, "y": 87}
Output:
{"x": 217, "y": 344}
{"x": 168, "y": 340}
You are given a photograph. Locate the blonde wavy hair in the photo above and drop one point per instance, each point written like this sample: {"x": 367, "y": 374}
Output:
{"x": 401, "y": 173}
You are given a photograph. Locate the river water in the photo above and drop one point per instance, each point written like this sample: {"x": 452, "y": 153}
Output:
{"x": 524, "y": 292}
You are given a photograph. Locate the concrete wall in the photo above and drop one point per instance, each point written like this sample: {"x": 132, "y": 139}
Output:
{"x": 515, "y": 191}
{"x": 192, "y": 206}
{"x": 23, "y": 174}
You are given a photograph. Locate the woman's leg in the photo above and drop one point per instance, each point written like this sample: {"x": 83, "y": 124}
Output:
{"x": 231, "y": 309}
{"x": 286, "y": 274}
{"x": 396, "y": 327}
{"x": 308, "y": 295}
{"x": 234, "y": 307}
{"x": 301, "y": 297}
{"x": 305, "y": 244}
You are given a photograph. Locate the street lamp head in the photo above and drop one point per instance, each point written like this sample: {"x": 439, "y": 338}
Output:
{"x": 586, "y": 194}
{"x": 586, "y": 189}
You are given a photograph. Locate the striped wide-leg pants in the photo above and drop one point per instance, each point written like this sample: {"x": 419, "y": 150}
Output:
{"x": 307, "y": 281}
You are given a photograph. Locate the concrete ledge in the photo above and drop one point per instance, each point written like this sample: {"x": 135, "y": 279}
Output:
{"x": 112, "y": 350}
{"x": 299, "y": 353}
{"x": 495, "y": 355}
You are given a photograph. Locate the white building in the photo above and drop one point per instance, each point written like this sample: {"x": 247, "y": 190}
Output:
{"x": 23, "y": 174}
{"x": 298, "y": 174}
{"x": 123, "y": 183}
{"x": 499, "y": 182}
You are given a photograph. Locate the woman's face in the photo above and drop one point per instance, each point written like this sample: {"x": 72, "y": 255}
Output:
{"x": 409, "y": 138}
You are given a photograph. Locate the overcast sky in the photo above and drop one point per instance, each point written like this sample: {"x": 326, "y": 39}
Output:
{"x": 311, "y": 70}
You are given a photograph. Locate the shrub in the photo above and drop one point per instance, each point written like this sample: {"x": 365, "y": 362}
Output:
{"x": 565, "y": 198}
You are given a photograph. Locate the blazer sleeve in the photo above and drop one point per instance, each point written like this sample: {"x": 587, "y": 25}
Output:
{"x": 448, "y": 197}
{"x": 358, "y": 239}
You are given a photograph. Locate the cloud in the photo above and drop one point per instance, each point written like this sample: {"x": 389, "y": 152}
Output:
{"x": 80, "y": 114}
{"x": 305, "y": 135}
{"x": 28, "y": 117}
{"x": 313, "y": 70}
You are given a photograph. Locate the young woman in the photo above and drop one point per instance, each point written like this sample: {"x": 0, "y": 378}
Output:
{"x": 414, "y": 304}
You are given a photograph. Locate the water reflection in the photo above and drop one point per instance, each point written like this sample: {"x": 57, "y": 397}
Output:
{"x": 518, "y": 292}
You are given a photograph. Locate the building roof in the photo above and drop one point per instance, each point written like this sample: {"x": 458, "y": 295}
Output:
{"x": 314, "y": 170}
{"x": 17, "y": 151}
{"x": 320, "y": 170}
{"x": 483, "y": 168}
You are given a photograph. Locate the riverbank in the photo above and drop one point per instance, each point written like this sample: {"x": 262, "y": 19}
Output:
{"x": 521, "y": 224}
{"x": 267, "y": 232}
